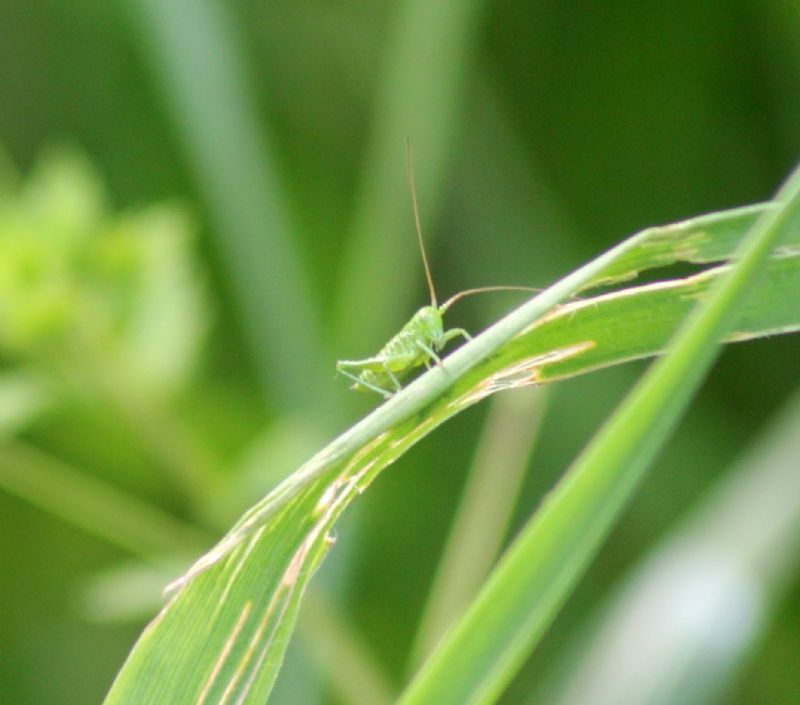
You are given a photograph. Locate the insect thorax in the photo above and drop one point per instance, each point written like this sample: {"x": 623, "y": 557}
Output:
{"x": 427, "y": 323}
{"x": 425, "y": 326}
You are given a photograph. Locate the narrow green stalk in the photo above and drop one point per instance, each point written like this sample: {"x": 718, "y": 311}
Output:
{"x": 482, "y": 653}
{"x": 735, "y": 554}
{"x": 485, "y": 510}
{"x": 94, "y": 506}
{"x": 344, "y": 657}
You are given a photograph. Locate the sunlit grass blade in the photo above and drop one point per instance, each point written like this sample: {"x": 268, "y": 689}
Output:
{"x": 695, "y": 607}
{"x": 223, "y": 632}
{"x": 484, "y": 650}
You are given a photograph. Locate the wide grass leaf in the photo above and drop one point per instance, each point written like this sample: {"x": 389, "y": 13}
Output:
{"x": 480, "y": 655}
{"x": 222, "y": 634}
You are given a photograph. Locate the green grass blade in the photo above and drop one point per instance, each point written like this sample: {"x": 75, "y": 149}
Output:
{"x": 197, "y": 60}
{"x": 707, "y": 238}
{"x": 484, "y": 513}
{"x": 93, "y": 505}
{"x": 695, "y": 607}
{"x": 223, "y": 633}
{"x": 638, "y": 322}
{"x": 482, "y": 653}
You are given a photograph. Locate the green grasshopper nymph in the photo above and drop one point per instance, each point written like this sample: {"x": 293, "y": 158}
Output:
{"x": 421, "y": 339}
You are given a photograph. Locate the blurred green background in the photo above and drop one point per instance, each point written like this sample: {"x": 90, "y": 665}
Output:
{"x": 204, "y": 205}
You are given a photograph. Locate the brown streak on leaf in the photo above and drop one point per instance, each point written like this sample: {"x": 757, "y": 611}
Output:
{"x": 229, "y": 642}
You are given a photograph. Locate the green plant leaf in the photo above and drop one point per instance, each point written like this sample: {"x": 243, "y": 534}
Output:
{"x": 479, "y": 656}
{"x": 697, "y": 605}
{"x": 222, "y": 633}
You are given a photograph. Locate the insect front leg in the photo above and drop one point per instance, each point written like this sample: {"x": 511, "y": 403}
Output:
{"x": 429, "y": 351}
{"x": 455, "y": 333}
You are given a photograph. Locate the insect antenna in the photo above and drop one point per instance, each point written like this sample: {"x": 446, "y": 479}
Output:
{"x": 410, "y": 170}
{"x": 469, "y": 292}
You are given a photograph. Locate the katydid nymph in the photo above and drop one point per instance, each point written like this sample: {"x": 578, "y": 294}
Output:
{"x": 421, "y": 339}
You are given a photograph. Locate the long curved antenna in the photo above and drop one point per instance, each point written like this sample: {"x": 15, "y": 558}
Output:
{"x": 469, "y": 292}
{"x": 410, "y": 169}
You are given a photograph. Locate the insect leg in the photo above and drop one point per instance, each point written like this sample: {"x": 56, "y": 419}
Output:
{"x": 449, "y": 335}
{"x": 385, "y": 393}
{"x": 392, "y": 377}
{"x": 455, "y": 333}
{"x": 428, "y": 351}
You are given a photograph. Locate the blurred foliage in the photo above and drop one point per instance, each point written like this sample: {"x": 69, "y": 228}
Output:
{"x": 574, "y": 124}
{"x": 78, "y": 280}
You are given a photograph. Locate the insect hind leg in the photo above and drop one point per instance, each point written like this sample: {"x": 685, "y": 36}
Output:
{"x": 385, "y": 393}
{"x": 392, "y": 376}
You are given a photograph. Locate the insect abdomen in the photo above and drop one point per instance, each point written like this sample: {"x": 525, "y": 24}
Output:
{"x": 408, "y": 349}
{"x": 401, "y": 355}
